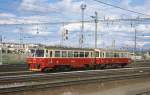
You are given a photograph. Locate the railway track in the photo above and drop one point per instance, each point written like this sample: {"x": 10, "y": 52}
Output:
{"x": 24, "y": 67}
{"x": 144, "y": 93}
{"x": 140, "y": 92}
{"x": 41, "y": 80}
{"x": 13, "y": 67}
{"x": 14, "y": 73}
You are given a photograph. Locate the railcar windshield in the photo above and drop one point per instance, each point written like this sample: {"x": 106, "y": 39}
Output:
{"x": 39, "y": 53}
{"x": 31, "y": 53}
{"x": 36, "y": 53}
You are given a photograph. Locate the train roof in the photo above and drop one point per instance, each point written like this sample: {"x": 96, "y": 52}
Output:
{"x": 69, "y": 48}
{"x": 111, "y": 50}
{"x": 80, "y": 49}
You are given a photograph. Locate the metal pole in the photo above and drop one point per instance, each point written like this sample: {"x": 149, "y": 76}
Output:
{"x": 83, "y": 6}
{"x": 1, "y": 56}
{"x": 113, "y": 44}
{"x": 82, "y": 25}
{"x": 20, "y": 41}
{"x": 96, "y": 21}
{"x": 36, "y": 39}
{"x": 135, "y": 39}
{"x": 62, "y": 36}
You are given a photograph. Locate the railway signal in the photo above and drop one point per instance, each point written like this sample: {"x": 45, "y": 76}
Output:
{"x": 65, "y": 34}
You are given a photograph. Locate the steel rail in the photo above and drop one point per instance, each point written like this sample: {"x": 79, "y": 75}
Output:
{"x": 74, "y": 74}
{"x": 55, "y": 83}
{"x": 16, "y": 73}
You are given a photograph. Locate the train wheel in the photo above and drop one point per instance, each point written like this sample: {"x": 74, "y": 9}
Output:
{"x": 62, "y": 68}
{"x": 102, "y": 66}
{"x": 46, "y": 70}
{"x": 66, "y": 68}
{"x": 123, "y": 65}
{"x": 87, "y": 67}
{"x": 114, "y": 65}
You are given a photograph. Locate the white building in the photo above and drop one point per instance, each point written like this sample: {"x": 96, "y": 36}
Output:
{"x": 16, "y": 47}
{"x": 147, "y": 56}
{"x": 136, "y": 57}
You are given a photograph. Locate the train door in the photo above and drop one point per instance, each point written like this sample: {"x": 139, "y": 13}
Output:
{"x": 104, "y": 54}
{"x": 46, "y": 54}
{"x": 50, "y": 56}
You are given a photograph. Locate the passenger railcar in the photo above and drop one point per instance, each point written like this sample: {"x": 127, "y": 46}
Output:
{"x": 65, "y": 59}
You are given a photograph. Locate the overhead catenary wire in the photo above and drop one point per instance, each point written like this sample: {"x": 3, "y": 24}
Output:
{"x": 121, "y": 8}
{"x": 79, "y": 21}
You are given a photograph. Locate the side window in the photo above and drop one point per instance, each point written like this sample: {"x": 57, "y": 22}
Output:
{"x": 97, "y": 54}
{"x": 46, "y": 53}
{"x": 70, "y": 54}
{"x": 57, "y": 53}
{"x": 50, "y": 53}
{"x": 64, "y": 53}
{"x": 75, "y": 54}
{"x": 86, "y": 54}
{"x": 81, "y": 54}
{"x": 116, "y": 54}
{"x": 31, "y": 53}
{"x": 39, "y": 53}
{"x": 122, "y": 55}
{"x": 111, "y": 54}
{"x": 100, "y": 54}
{"x": 107, "y": 54}
{"x": 125, "y": 54}
{"x": 103, "y": 54}
{"x": 92, "y": 54}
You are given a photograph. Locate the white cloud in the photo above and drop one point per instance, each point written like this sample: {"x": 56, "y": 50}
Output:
{"x": 33, "y": 30}
{"x": 71, "y": 9}
{"x": 146, "y": 36}
{"x": 144, "y": 28}
{"x": 45, "y": 7}
{"x": 27, "y": 20}
{"x": 7, "y": 15}
{"x": 37, "y": 6}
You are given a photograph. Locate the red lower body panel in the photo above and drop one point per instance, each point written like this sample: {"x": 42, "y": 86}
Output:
{"x": 41, "y": 63}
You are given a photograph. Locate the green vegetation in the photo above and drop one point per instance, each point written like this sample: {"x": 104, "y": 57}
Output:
{"x": 14, "y": 58}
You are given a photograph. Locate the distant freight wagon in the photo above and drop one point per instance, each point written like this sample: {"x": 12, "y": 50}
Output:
{"x": 74, "y": 58}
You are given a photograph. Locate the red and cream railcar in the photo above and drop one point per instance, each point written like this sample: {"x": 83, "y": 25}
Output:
{"x": 47, "y": 59}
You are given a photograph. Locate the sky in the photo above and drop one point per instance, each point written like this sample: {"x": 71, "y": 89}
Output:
{"x": 16, "y": 17}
